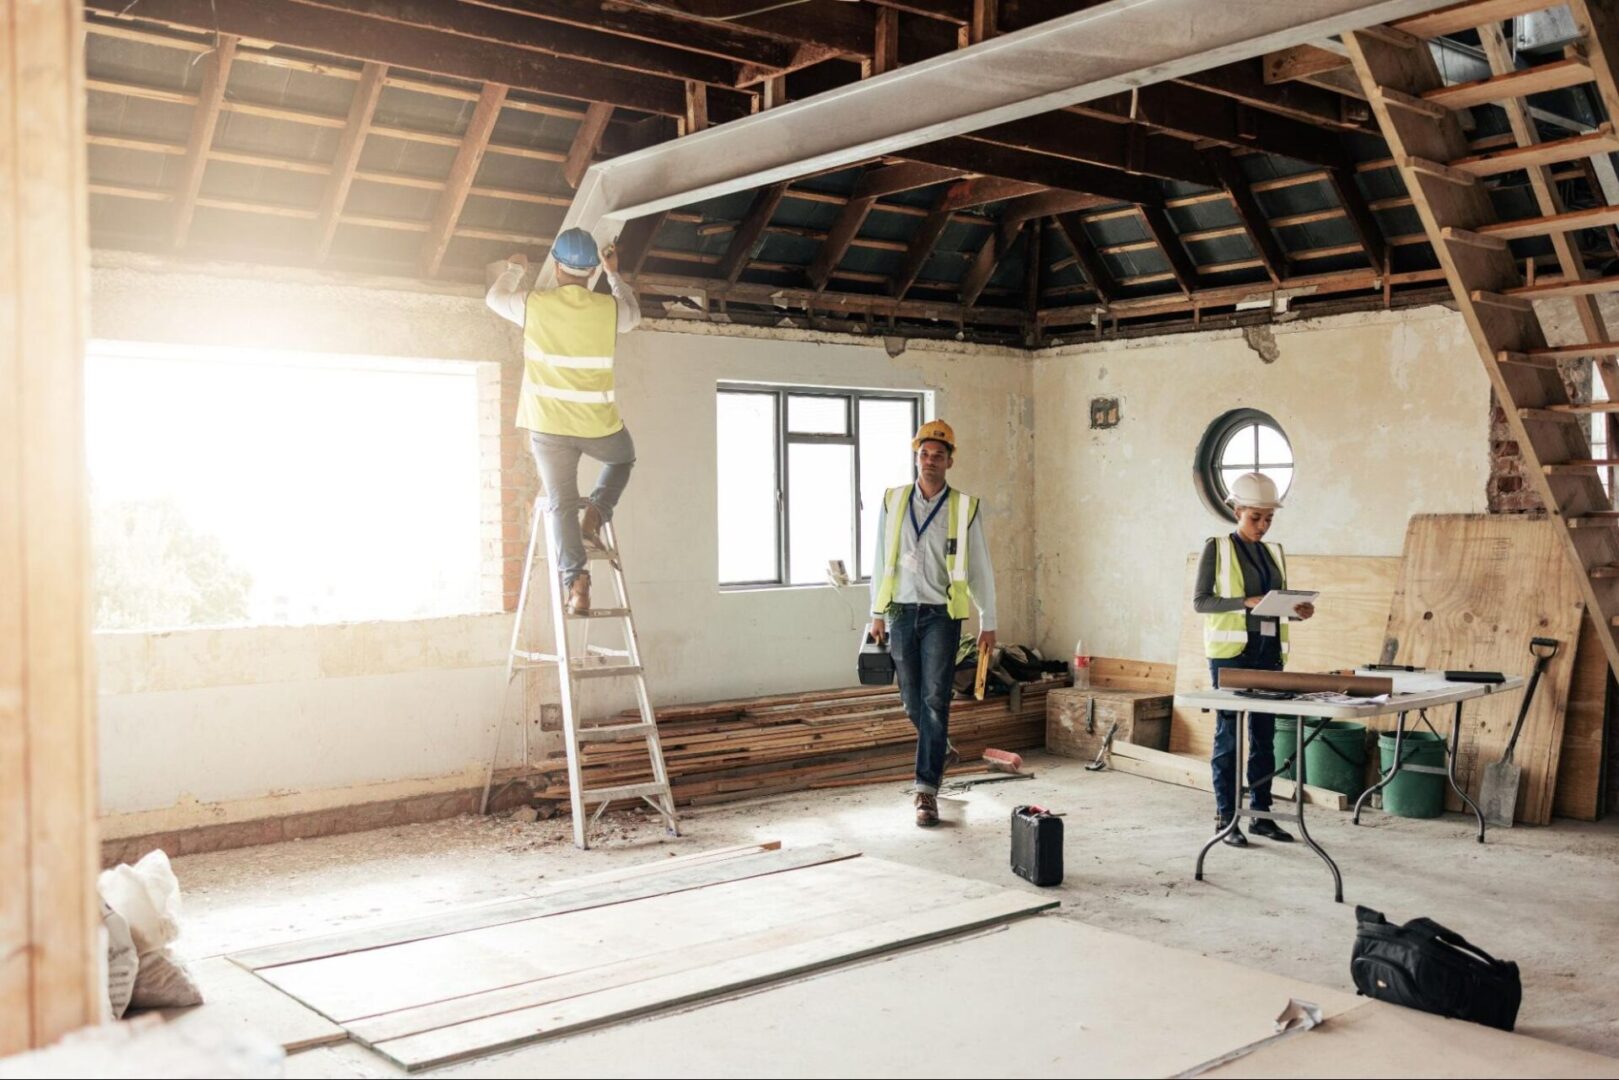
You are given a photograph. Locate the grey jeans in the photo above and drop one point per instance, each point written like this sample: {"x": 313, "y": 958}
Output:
{"x": 557, "y": 457}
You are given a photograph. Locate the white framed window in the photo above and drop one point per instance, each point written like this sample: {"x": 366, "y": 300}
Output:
{"x": 1241, "y": 441}
{"x": 802, "y": 472}
{"x": 264, "y": 487}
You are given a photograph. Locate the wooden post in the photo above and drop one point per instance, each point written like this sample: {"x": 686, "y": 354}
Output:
{"x": 49, "y": 913}
{"x": 885, "y": 45}
{"x": 696, "y": 118}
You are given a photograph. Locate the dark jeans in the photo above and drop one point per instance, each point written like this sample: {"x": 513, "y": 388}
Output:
{"x": 923, "y": 640}
{"x": 1261, "y": 747}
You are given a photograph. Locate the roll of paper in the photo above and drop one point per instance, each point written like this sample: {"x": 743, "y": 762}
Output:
{"x": 1302, "y": 682}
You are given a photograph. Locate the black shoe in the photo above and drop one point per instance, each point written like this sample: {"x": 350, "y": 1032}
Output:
{"x": 1271, "y": 831}
{"x": 1234, "y": 838}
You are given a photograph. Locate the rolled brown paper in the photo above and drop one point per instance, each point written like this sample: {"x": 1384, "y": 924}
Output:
{"x": 1302, "y": 682}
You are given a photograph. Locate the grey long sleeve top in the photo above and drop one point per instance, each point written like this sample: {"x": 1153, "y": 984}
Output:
{"x": 508, "y": 299}
{"x": 931, "y": 584}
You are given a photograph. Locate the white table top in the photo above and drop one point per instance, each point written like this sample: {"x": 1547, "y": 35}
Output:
{"x": 1448, "y": 694}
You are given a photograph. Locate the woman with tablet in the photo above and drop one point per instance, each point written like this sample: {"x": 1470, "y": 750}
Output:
{"x": 1236, "y": 572}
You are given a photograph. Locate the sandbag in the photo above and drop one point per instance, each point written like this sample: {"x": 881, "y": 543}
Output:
{"x": 122, "y": 961}
{"x": 147, "y": 897}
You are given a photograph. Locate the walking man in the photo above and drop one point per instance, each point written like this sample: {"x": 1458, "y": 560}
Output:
{"x": 567, "y": 404}
{"x": 932, "y": 565}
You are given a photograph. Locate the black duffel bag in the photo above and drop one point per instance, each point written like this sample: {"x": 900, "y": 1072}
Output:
{"x": 1422, "y": 965}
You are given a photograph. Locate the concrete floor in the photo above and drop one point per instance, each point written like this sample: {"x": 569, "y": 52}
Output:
{"x": 1542, "y": 897}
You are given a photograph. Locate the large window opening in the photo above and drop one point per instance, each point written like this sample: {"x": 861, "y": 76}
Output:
{"x": 1241, "y": 441}
{"x": 252, "y": 486}
{"x": 802, "y": 472}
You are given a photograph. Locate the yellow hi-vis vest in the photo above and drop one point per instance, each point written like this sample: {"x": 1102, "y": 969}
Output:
{"x": 569, "y": 335}
{"x": 1225, "y": 633}
{"x": 960, "y": 514}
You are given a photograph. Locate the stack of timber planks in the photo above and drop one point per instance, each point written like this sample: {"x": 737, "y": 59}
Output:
{"x": 730, "y": 750}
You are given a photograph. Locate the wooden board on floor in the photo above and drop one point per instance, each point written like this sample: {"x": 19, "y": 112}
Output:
{"x": 1474, "y": 588}
{"x": 235, "y": 998}
{"x": 1194, "y": 772}
{"x": 1348, "y": 629}
{"x": 430, "y": 1001}
{"x": 1580, "y": 765}
{"x": 697, "y": 871}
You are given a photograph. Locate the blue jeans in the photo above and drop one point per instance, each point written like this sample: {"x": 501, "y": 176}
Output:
{"x": 557, "y": 457}
{"x": 1261, "y": 749}
{"x": 922, "y": 639}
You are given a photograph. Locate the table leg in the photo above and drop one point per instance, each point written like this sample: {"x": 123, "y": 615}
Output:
{"x": 1298, "y": 793}
{"x": 1236, "y": 815}
{"x": 1383, "y": 780}
{"x": 1452, "y": 745}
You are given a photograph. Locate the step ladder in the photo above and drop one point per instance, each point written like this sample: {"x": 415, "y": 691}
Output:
{"x": 588, "y": 663}
{"x": 1449, "y": 183}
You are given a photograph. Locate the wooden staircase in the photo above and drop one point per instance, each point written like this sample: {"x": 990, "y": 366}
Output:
{"x": 1448, "y": 180}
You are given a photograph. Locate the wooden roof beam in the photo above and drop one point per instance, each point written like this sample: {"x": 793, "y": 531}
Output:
{"x": 1253, "y": 218}
{"x": 1163, "y": 234}
{"x": 361, "y": 108}
{"x": 447, "y": 211}
{"x": 204, "y": 119}
{"x": 750, "y": 233}
{"x": 995, "y": 247}
{"x": 1128, "y": 147}
{"x": 586, "y": 140}
{"x": 973, "y": 155}
{"x": 1199, "y": 114}
{"x": 924, "y": 240}
{"x": 724, "y": 40}
{"x": 1090, "y": 260}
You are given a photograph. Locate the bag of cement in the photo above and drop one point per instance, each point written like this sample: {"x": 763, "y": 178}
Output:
{"x": 122, "y": 960}
{"x": 147, "y": 895}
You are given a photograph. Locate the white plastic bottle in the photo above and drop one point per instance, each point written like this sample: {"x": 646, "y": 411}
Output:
{"x": 1082, "y": 666}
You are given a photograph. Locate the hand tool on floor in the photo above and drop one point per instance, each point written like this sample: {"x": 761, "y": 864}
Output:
{"x": 983, "y": 675}
{"x": 1090, "y": 716}
{"x": 1499, "y": 794}
{"x": 1003, "y": 760}
{"x": 1102, "y": 754}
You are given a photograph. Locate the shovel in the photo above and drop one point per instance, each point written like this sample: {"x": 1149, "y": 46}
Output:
{"x": 1499, "y": 795}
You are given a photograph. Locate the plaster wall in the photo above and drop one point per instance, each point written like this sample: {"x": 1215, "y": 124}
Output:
{"x": 1388, "y": 414}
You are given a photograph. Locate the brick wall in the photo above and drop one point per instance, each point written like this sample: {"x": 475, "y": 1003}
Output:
{"x": 509, "y": 483}
{"x": 1509, "y": 490}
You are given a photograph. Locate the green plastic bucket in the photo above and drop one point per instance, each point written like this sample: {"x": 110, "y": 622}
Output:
{"x": 1286, "y": 741}
{"x": 1409, "y": 794}
{"x": 1336, "y": 758}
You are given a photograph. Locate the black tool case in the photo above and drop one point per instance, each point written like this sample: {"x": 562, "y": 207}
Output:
{"x": 1037, "y": 845}
{"x": 875, "y": 665}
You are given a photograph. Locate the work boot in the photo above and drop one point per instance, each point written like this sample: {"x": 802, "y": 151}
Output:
{"x": 952, "y": 757}
{"x": 579, "y": 595}
{"x": 590, "y": 526}
{"x": 1236, "y": 839}
{"x": 1271, "y": 831}
{"x": 927, "y": 809}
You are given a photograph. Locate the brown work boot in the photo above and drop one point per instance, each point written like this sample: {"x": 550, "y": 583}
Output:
{"x": 927, "y": 809}
{"x": 590, "y": 526}
{"x": 579, "y": 595}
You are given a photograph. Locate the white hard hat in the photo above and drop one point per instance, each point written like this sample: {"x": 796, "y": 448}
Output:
{"x": 1254, "y": 490}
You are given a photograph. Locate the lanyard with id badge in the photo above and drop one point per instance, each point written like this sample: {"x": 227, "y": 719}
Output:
{"x": 912, "y": 559}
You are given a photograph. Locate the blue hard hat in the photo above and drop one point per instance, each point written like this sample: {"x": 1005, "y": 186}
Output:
{"x": 576, "y": 250}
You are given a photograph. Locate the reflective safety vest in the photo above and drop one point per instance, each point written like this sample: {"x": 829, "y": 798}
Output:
{"x": 1225, "y": 633}
{"x": 960, "y": 512}
{"x": 569, "y": 335}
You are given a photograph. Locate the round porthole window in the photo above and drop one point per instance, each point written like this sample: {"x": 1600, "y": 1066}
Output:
{"x": 1242, "y": 440}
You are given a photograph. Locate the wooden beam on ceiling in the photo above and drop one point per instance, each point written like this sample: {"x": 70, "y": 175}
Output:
{"x": 299, "y": 25}
{"x": 521, "y": 31}
{"x": 873, "y": 184}
{"x": 750, "y": 233}
{"x": 958, "y": 12}
{"x": 636, "y": 240}
{"x": 1254, "y": 221}
{"x": 1090, "y": 260}
{"x": 905, "y": 176}
{"x": 361, "y": 108}
{"x": 861, "y": 303}
{"x": 1033, "y": 231}
{"x": 1124, "y": 146}
{"x": 995, "y": 247}
{"x": 972, "y": 155}
{"x": 1245, "y": 82}
{"x": 1299, "y": 62}
{"x": 1467, "y": 15}
{"x": 923, "y": 241}
{"x": 844, "y": 28}
{"x": 1048, "y": 203}
{"x": 1199, "y": 114}
{"x": 1163, "y": 234}
{"x": 727, "y": 41}
{"x": 586, "y": 141}
{"x": 1361, "y": 218}
{"x": 885, "y": 42}
{"x": 985, "y": 21}
{"x": 204, "y": 119}
{"x": 447, "y": 211}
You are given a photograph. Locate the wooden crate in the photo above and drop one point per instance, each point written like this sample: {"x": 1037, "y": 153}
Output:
{"x": 1143, "y": 719}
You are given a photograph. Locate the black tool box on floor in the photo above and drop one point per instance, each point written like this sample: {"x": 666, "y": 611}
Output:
{"x": 1037, "y": 845}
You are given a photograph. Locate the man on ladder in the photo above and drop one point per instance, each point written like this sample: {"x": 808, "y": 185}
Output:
{"x": 567, "y": 402}
{"x": 931, "y": 567}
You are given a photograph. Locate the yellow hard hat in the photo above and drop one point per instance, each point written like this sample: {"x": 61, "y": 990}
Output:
{"x": 936, "y": 430}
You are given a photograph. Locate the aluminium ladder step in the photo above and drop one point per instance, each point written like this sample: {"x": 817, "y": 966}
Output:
{"x": 602, "y": 613}
{"x": 583, "y": 669}
{"x": 605, "y": 650}
{"x": 1540, "y": 154}
{"x": 625, "y": 791}
{"x": 1540, "y": 79}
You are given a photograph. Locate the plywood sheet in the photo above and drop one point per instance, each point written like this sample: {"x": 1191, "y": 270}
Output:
{"x": 1580, "y": 765}
{"x": 1348, "y": 629}
{"x": 234, "y": 998}
{"x": 1474, "y": 588}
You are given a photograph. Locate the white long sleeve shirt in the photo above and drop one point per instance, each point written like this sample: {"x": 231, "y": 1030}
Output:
{"x": 930, "y": 582}
{"x": 508, "y": 299}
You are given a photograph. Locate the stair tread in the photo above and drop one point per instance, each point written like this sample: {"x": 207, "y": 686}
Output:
{"x": 1552, "y": 152}
{"x": 1539, "y": 79}
{"x": 1568, "y": 221}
